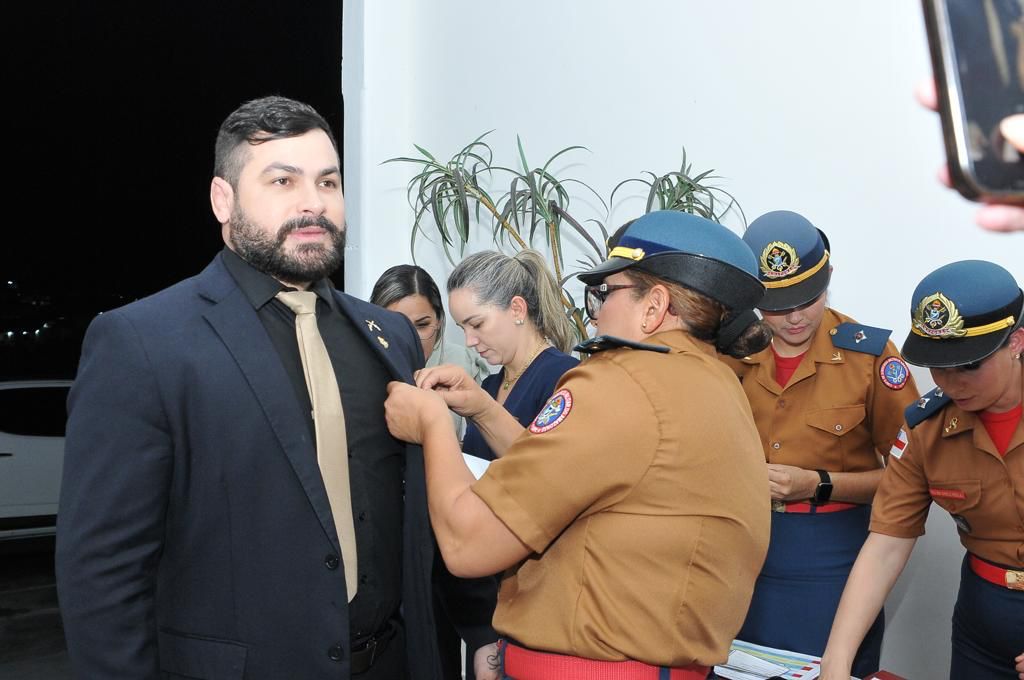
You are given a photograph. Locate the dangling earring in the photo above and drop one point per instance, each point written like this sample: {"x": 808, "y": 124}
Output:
{"x": 643, "y": 326}
{"x": 519, "y": 322}
{"x": 1017, "y": 355}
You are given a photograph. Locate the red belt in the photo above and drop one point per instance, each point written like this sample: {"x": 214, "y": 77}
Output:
{"x": 527, "y": 664}
{"x": 806, "y": 508}
{"x": 1007, "y": 578}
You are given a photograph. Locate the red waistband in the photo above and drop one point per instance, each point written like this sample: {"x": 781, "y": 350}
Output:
{"x": 806, "y": 508}
{"x": 528, "y": 664}
{"x": 1007, "y": 578}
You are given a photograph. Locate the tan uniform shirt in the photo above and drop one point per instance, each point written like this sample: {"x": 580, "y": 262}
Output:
{"x": 951, "y": 460}
{"x": 834, "y": 412}
{"x": 646, "y": 505}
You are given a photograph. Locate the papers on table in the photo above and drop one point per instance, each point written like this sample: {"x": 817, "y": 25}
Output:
{"x": 476, "y": 465}
{"x": 748, "y": 661}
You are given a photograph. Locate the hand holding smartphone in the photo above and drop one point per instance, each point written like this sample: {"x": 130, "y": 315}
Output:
{"x": 977, "y": 50}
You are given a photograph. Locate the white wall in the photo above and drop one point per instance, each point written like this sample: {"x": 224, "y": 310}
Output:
{"x": 798, "y": 104}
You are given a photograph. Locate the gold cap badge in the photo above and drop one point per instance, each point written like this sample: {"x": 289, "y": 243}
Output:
{"x": 778, "y": 260}
{"x": 937, "y": 317}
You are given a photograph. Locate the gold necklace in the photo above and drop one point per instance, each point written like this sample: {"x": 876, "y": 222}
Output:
{"x": 508, "y": 382}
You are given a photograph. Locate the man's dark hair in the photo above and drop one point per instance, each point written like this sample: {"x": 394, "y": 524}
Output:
{"x": 258, "y": 121}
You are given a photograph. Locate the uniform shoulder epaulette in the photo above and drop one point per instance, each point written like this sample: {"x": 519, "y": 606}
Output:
{"x": 603, "y": 342}
{"x": 925, "y": 407}
{"x": 860, "y": 338}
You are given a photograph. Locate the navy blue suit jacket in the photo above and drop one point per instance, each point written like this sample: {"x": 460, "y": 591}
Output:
{"x": 193, "y": 523}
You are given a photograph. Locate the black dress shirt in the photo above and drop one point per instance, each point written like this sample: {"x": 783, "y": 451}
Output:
{"x": 376, "y": 459}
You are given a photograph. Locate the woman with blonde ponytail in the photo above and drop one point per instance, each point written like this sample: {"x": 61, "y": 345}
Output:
{"x": 511, "y": 312}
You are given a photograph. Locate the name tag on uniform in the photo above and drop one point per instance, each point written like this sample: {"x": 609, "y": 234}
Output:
{"x": 948, "y": 493}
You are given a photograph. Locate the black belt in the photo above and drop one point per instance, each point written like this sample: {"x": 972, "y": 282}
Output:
{"x": 368, "y": 651}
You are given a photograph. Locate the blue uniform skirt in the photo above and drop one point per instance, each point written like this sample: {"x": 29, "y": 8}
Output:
{"x": 798, "y": 590}
{"x": 988, "y": 629}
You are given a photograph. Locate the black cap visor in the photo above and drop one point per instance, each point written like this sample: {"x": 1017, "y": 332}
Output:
{"x": 720, "y": 281}
{"x": 951, "y": 352}
{"x": 791, "y": 297}
{"x": 612, "y": 265}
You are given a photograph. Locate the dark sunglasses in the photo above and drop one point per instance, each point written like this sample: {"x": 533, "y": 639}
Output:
{"x": 595, "y": 296}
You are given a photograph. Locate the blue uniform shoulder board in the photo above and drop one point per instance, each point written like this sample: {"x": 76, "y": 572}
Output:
{"x": 860, "y": 338}
{"x": 603, "y": 342}
{"x": 925, "y": 407}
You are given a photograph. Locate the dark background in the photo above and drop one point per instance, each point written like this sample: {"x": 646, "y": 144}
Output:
{"x": 109, "y": 139}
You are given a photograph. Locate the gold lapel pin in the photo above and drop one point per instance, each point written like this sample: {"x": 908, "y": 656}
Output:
{"x": 371, "y": 325}
{"x": 837, "y": 356}
{"x": 382, "y": 341}
{"x": 952, "y": 425}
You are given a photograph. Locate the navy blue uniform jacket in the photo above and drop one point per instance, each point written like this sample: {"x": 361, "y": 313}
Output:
{"x": 194, "y": 524}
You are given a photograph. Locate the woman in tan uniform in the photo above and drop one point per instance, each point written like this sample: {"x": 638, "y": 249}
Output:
{"x": 828, "y": 399}
{"x": 632, "y": 513}
{"x": 962, "y": 448}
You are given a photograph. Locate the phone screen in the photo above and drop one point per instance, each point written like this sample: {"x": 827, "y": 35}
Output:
{"x": 986, "y": 47}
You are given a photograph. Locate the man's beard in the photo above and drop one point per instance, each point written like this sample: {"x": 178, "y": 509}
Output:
{"x": 308, "y": 262}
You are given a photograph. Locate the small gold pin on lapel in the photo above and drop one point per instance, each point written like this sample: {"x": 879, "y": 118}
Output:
{"x": 371, "y": 325}
{"x": 382, "y": 341}
{"x": 833, "y": 331}
{"x": 837, "y": 356}
{"x": 953, "y": 423}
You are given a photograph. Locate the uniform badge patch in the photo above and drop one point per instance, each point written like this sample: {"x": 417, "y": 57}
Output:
{"x": 899, "y": 446}
{"x": 554, "y": 412}
{"x": 894, "y": 373}
{"x": 778, "y": 260}
{"x": 937, "y": 317}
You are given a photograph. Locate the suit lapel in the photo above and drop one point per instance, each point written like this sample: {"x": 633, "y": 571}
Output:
{"x": 235, "y": 321}
{"x": 381, "y": 337}
{"x": 419, "y": 547}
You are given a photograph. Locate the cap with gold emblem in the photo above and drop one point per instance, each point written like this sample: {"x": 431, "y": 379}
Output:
{"x": 962, "y": 313}
{"x": 792, "y": 259}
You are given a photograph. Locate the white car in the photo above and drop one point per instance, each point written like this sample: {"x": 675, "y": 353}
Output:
{"x": 33, "y": 414}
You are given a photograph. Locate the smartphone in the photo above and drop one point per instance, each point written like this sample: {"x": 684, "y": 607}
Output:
{"x": 977, "y": 50}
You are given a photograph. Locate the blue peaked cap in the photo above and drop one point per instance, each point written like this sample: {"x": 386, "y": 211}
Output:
{"x": 961, "y": 313}
{"x": 689, "y": 250}
{"x": 792, "y": 256}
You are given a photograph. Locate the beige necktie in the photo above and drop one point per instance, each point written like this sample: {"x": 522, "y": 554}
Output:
{"x": 329, "y": 421}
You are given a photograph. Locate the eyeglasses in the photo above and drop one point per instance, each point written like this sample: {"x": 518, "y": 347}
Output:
{"x": 595, "y": 296}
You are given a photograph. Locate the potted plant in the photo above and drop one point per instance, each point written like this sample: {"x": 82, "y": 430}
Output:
{"x": 454, "y": 197}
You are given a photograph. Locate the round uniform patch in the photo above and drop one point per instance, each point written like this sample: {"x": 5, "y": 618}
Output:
{"x": 894, "y": 373}
{"x": 553, "y": 413}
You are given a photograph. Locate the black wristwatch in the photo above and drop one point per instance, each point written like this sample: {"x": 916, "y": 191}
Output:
{"x": 824, "y": 490}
